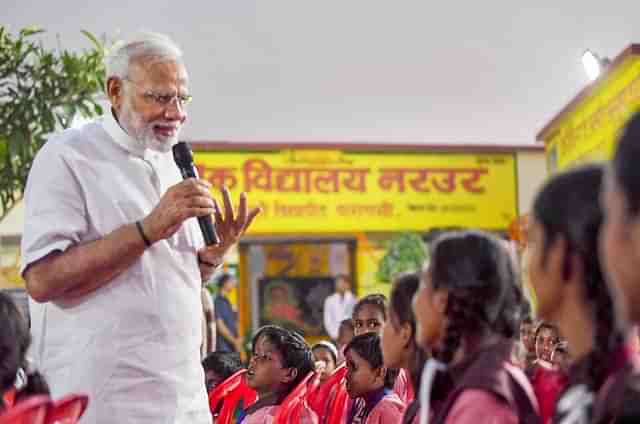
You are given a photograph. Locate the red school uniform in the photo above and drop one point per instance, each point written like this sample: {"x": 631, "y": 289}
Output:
{"x": 548, "y": 383}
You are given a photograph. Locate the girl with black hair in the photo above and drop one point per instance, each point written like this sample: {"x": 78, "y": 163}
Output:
{"x": 399, "y": 347}
{"x": 326, "y": 356}
{"x": 280, "y": 360}
{"x": 620, "y": 255}
{"x": 570, "y": 288}
{"x": 468, "y": 311}
{"x": 546, "y": 336}
{"x": 369, "y": 316}
{"x": 370, "y": 383}
{"x": 14, "y": 342}
{"x": 547, "y": 381}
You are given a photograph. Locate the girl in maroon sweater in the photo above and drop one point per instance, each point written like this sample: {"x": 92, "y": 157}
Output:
{"x": 468, "y": 312}
{"x": 620, "y": 255}
{"x": 399, "y": 347}
{"x": 571, "y": 292}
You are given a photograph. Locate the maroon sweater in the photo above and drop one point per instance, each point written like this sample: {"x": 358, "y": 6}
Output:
{"x": 618, "y": 396}
{"x": 490, "y": 370}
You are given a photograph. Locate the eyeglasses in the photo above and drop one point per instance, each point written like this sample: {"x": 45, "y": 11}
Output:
{"x": 163, "y": 99}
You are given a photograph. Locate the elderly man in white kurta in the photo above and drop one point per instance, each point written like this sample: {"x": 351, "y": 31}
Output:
{"x": 113, "y": 257}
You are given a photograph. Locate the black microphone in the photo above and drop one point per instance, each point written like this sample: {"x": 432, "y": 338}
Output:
{"x": 184, "y": 159}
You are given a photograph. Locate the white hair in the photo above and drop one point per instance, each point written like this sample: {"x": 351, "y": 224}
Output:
{"x": 143, "y": 45}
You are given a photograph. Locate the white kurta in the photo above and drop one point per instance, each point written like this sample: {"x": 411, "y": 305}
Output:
{"x": 134, "y": 344}
{"x": 337, "y": 308}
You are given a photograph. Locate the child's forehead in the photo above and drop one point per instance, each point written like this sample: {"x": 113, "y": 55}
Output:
{"x": 546, "y": 331}
{"x": 321, "y": 350}
{"x": 368, "y": 311}
{"x": 265, "y": 346}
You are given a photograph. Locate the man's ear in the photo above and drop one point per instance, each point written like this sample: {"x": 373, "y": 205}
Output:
{"x": 115, "y": 93}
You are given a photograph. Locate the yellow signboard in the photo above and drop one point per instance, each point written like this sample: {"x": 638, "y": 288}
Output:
{"x": 589, "y": 130}
{"x": 334, "y": 191}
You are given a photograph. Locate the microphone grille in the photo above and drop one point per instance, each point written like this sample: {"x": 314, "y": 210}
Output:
{"x": 182, "y": 154}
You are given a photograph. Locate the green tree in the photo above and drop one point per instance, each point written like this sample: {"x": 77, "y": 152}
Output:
{"x": 41, "y": 91}
{"x": 406, "y": 253}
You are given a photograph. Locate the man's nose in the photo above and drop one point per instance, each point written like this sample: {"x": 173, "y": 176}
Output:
{"x": 175, "y": 111}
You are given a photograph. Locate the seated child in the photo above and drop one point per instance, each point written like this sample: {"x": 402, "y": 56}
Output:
{"x": 370, "y": 383}
{"x": 15, "y": 377}
{"x": 280, "y": 360}
{"x": 467, "y": 312}
{"x": 398, "y": 340}
{"x": 326, "y": 354}
{"x": 345, "y": 335}
{"x": 560, "y": 357}
{"x": 545, "y": 380}
{"x": 218, "y": 366}
{"x": 369, "y": 316}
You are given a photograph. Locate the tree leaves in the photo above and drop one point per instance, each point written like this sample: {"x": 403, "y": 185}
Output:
{"x": 406, "y": 253}
{"x": 28, "y": 31}
{"x": 41, "y": 91}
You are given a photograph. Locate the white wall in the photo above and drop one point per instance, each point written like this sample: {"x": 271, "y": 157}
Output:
{"x": 532, "y": 173}
{"x": 356, "y": 70}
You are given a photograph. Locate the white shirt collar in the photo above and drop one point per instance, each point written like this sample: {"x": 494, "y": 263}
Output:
{"x": 124, "y": 140}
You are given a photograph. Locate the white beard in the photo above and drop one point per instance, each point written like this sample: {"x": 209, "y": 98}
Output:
{"x": 143, "y": 133}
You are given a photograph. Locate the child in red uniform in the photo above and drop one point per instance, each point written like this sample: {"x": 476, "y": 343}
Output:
{"x": 280, "y": 360}
{"x": 546, "y": 337}
{"x": 544, "y": 377}
{"x": 14, "y": 342}
{"x": 468, "y": 311}
{"x": 369, "y": 383}
{"x": 399, "y": 346}
{"x": 218, "y": 366}
{"x": 325, "y": 355}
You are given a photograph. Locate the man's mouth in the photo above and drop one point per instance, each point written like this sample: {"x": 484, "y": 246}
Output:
{"x": 165, "y": 130}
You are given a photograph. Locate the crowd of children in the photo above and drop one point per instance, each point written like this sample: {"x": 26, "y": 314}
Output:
{"x": 461, "y": 316}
